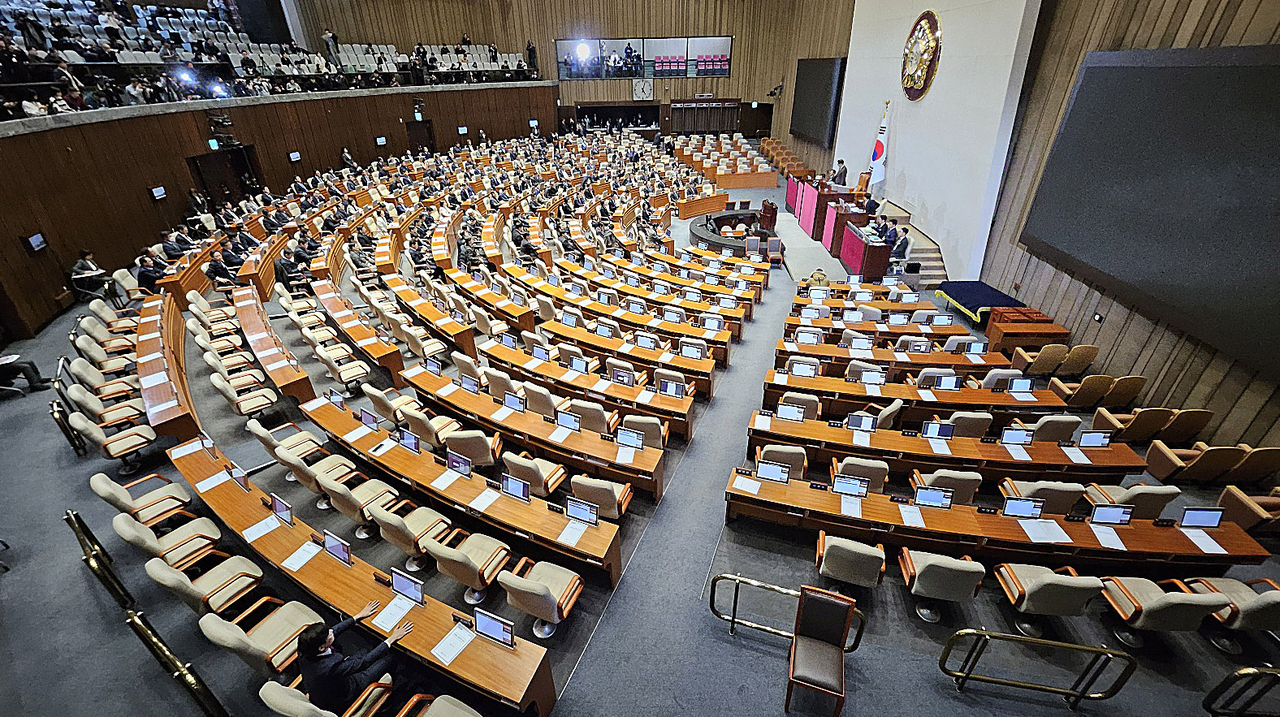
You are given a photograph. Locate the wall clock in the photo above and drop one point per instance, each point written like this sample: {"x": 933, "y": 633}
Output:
{"x": 920, "y": 55}
{"x": 641, "y": 89}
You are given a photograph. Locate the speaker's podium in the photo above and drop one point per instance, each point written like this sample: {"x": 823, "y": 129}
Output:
{"x": 862, "y": 252}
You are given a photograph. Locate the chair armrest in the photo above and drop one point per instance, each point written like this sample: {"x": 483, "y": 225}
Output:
{"x": 212, "y": 540}
{"x": 1105, "y": 420}
{"x": 377, "y": 704}
{"x": 1059, "y": 388}
{"x": 453, "y": 534}
{"x": 915, "y": 478}
{"x": 1241, "y": 509}
{"x": 241, "y": 574}
{"x": 1022, "y": 359}
{"x": 1015, "y": 586}
{"x": 1008, "y": 489}
{"x": 884, "y": 564}
{"x": 266, "y": 600}
{"x": 522, "y": 566}
{"x": 907, "y": 566}
{"x": 822, "y": 544}
{"x": 1067, "y": 570}
{"x": 1161, "y": 461}
{"x": 144, "y": 479}
{"x": 570, "y": 596}
{"x": 502, "y": 553}
{"x": 1120, "y": 610}
{"x": 1019, "y": 423}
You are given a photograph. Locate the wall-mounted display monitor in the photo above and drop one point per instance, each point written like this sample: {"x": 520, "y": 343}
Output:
{"x": 634, "y": 57}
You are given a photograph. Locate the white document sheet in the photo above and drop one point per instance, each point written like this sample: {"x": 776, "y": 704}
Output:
{"x": 452, "y": 644}
{"x": 1107, "y": 536}
{"x": 749, "y": 485}
{"x": 304, "y": 553}
{"x": 911, "y": 516}
{"x": 1044, "y": 530}
{"x": 851, "y": 506}
{"x": 391, "y": 615}
{"x": 1203, "y": 541}
{"x": 261, "y": 528}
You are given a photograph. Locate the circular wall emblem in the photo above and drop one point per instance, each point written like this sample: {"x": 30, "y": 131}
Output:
{"x": 920, "y": 55}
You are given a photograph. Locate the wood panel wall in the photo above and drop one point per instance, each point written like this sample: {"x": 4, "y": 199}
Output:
{"x": 89, "y": 186}
{"x": 768, "y": 37}
{"x": 1181, "y": 371}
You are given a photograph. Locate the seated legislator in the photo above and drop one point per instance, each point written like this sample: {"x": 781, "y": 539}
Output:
{"x": 288, "y": 272}
{"x": 332, "y": 681}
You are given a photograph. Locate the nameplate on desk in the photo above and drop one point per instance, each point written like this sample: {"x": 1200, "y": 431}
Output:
{"x": 484, "y": 500}
{"x": 350, "y": 324}
{"x": 871, "y": 389}
{"x": 1107, "y": 536}
{"x": 501, "y": 414}
{"x": 626, "y": 454}
{"x": 645, "y": 396}
{"x": 926, "y": 395}
{"x": 862, "y": 439}
{"x": 1019, "y": 453}
{"x": 600, "y": 386}
{"x": 939, "y": 446}
{"x": 452, "y": 644}
{"x": 301, "y": 556}
{"x": 447, "y": 389}
{"x": 626, "y": 347}
{"x": 666, "y": 357}
{"x": 504, "y": 303}
{"x": 257, "y": 337}
{"x": 367, "y": 342}
{"x": 151, "y": 357}
{"x": 617, "y": 312}
{"x": 901, "y": 356}
{"x": 790, "y": 346}
{"x": 572, "y": 533}
{"x": 261, "y": 528}
{"x": 976, "y": 358}
{"x": 911, "y": 516}
{"x": 558, "y": 435}
{"x": 762, "y": 423}
{"x": 925, "y": 329}
{"x": 747, "y": 485}
{"x": 149, "y": 320}
{"x": 1203, "y": 541}
{"x": 1023, "y": 396}
{"x": 270, "y": 352}
{"x": 417, "y": 302}
{"x": 356, "y": 434}
{"x": 150, "y": 336}
{"x": 161, "y": 408}
{"x": 882, "y": 327}
{"x": 413, "y": 371}
{"x": 446, "y": 479}
{"x": 213, "y": 481}
{"x": 189, "y": 448}
{"x": 342, "y": 314}
{"x": 1044, "y": 530}
{"x": 1076, "y": 455}
{"x": 314, "y": 403}
{"x": 246, "y": 302}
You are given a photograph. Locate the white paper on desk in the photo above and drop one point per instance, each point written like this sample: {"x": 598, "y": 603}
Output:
{"x": 748, "y": 485}
{"x": 213, "y": 481}
{"x": 148, "y": 337}
{"x": 261, "y": 528}
{"x": 1203, "y": 541}
{"x": 445, "y": 480}
{"x": 367, "y": 342}
{"x": 488, "y": 344}
{"x": 161, "y": 407}
{"x": 383, "y": 447}
{"x": 837, "y": 324}
{"x": 414, "y": 371}
{"x": 356, "y": 434}
{"x": 1018, "y": 452}
{"x": 882, "y": 327}
{"x": 149, "y": 357}
{"x": 189, "y": 448}
{"x": 1076, "y": 455}
{"x": 278, "y": 364}
{"x": 780, "y": 379}
{"x": 391, "y": 615}
{"x": 911, "y": 516}
{"x": 926, "y": 395}
{"x": 762, "y": 423}
{"x": 572, "y": 532}
{"x": 246, "y": 302}
{"x": 304, "y": 553}
{"x": 447, "y": 389}
{"x": 626, "y": 347}
{"x": 851, "y": 506}
{"x": 257, "y": 337}
{"x": 666, "y": 357}
{"x": 940, "y": 446}
{"x": 617, "y": 312}
{"x": 645, "y": 396}
{"x": 149, "y": 320}
{"x": 1023, "y": 396}
{"x": 625, "y": 455}
{"x": 872, "y": 389}
{"x": 1107, "y": 537}
{"x": 561, "y": 433}
{"x": 417, "y": 302}
{"x": 654, "y": 321}
{"x": 600, "y": 386}
{"x": 976, "y": 358}
{"x": 925, "y": 329}
{"x": 452, "y": 644}
{"x": 861, "y": 353}
{"x": 154, "y": 379}
{"x": 790, "y": 346}
{"x": 484, "y": 500}
{"x": 503, "y": 303}
{"x": 269, "y": 352}
{"x": 314, "y": 403}
{"x": 501, "y": 414}
{"x": 349, "y": 324}
{"x": 1044, "y": 530}
{"x": 343, "y": 314}
{"x": 862, "y": 439}
{"x": 901, "y": 356}
{"x": 532, "y": 363}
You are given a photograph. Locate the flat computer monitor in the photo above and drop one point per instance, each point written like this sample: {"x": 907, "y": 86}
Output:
{"x": 604, "y": 331}
{"x": 776, "y": 472}
{"x": 408, "y": 440}
{"x": 728, "y": 302}
{"x": 572, "y": 421}
{"x": 633, "y": 281}
{"x": 975, "y": 347}
{"x": 458, "y": 316}
{"x": 492, "y": 627}
{"x": 690, "y": 351}
{"x": 646, "y": 342}
{"x": 470, "y": 383}
{"x": 1095, "y": 439}
{"x": 630, "y": 438}
{"x": 1020, "y": 385}
{"x": 853, "y": 279}
{"x": 581, "y": 510}
{"x": 457, "y": 463}
{"x": 588, "y": 263}
{"x": 635, "y": 307}
{"x": 864, "y": 296}
{"x": 742, "y": 284}
{"x": 818, "y": 294}
{"x": 809, "y": 312}
{"x": 872, "y": 378}
{"x": 569, "y": 320}
{"x": 919, "y": 347}
{"x": 1111, "y": 514}
{"x": 368, "y": 419}
{"x": 808, "y": 338}
{"x": 576, "y": 289}
{"x": 804, "y": 370}
{"x": 947, "y": 383}
{"x": 1201, "y": 517}
{"x": 579, "y": 364}
{"x": 669, "y": 315}
{"x": 1023, "y": 507}
{"x": 541, "y": 353}
{"x": 842, "y": 484}
{"x": 433, "y": 366}
{"x": 938, "y": 429}
{"x": 909, "y": 297}
{"x": 553, "y": 280}
{"x": 942, "y": 320}
{"x": 790, "y": 412}
{"x": 713, "y": 323}
{"x": 509, "y": 341}
{"x": 622, "y": 376}
{"x": 282, "y": 510}
{"x": 513, "y": 401}
{"x": 337, "y": 547}
{"x": 854, "y": 422}
{"x": 406, "y": 585}
{"x": 899, "y": 319}
{"x": 1016, "y": 436}
{"x": 861, "y": 344}
{"x": 672, "y": 389}
{"x": 514, "y": 487}
{"x": 240, "y": 477}
{"x": 930, "y": 497}
{"x": 691, "y": 295}
{"x": 336, "y": 399}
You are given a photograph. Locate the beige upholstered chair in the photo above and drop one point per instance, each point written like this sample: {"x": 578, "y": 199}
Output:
{"x": 102, "y": 387}
{"x": 655, "y": 430}
{"x": 928, "y": 377}
{"x": 1085, "y": 394}
{"x": 932, "y": 577}
{"x": 996, "y": 378}
{"x": 124, "y": 445}
{"x": 886, "y": 416}
{"x": 270, "y": 646}
{"x": 500, "y": 383}
{"x": 1249, "y": 611}
{"x": 792, "y": 361}
{"x": 1258, "y": 465}
{"x": 1039, "y": 363}
{"x": 390, "y": 403}
{"x": 355, "y": 502}
{"x": 544, "y": 590}
{"x": 348, "y": 374}
{"x": 542, "y": 476}
{"x": 111, "y": 343}
{"x": 904, "y": 342}
{"x": 431, "y": 429}
{"x": 1059, "y": 497}
{"x": 1051, "y": 428}
{"x": 1148, "y": 501}
{"x": 969, "y": 424}
{"x": 128, "y": 411}
{"x": 1036, "y": 590}
{"x": 480, "y": 449}
{"x": 302, "y": 443}
{"x": 594, "y": 417}
{"x": 611, "y": 498}
{"x": 474, "y": 562}
{"x": 539, "y": 400}
{"x": 214, "y": 590}
{"x": 252, "y": 401}
{"x": 1257, "y": 514}
{"x": 811, "y": 404}
{"x": 1138, "y": 427}
{"x": 101, "y": 360}
{"x": 876, "y": 472}
{"x": 334, "y": 467}
{"x": 1199, "y": 464}
{"x": 793, "y": 457}
{"x": 1144, "y": 605}
{"x": 963, "y": 484}
{"x": 411, "y": 531}
{"x": 849, "y": 561}
{"x": 289, "y": 702}
{"x": 181, "y": 547}
{"x": 467, "y": 367}
{"x": 166, "y": 501}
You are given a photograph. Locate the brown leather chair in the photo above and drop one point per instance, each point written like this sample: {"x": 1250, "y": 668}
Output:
{"x": 1039, "y": 363}
{"x": 1138, "y": 427}
{"x": 1257, "y": 466}
{"x": 1200, "y": 463}
{"x": 1085, "y": 394}
{"x": 823, "y": 619}
{"x": 1077, "y": 361}
{"x": 1187, "y": 423}
{"x": 1256, "y": 514}
{"x": 1123, "y": 392}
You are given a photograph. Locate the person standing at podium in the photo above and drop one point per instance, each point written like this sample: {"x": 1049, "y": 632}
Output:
{"x": 840, "y": 174}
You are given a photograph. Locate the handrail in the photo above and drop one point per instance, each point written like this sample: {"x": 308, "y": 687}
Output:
{"x": 179, "y": 670}
{"x": 733, "y": 619}
{"x": 1239, "y": 691}
{"x": 99, "y": 562}
{"x": 1079, "y": 690}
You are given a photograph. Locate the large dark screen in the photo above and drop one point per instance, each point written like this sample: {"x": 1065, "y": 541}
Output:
{"x": 1163, "y": 188}
{"x": 817, "y": 99}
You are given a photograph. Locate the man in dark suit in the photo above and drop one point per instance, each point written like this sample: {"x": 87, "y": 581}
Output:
{"x": 232, "y": 255}
{"x": 297, "y": 187}
{"x": 172, "y": 249}
{"x": 417, "y": 256}
{"x": 148, "y": 274}
{"x": 872, "y": 207}
{"x": 333, "y": 681}
{"x": 841, "y": 173}
{"x": 226, "y": 216}
{"x": 288, "y": 272}
{"x": 892, "y": 235}
{"x": 221, "y": 276}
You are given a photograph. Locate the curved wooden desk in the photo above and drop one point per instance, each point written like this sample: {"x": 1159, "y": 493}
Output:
{"x": 838, "y": 305}
{"x": 758, "y": 281}
{"x": 162, "y": 368}
{"x": 832, "y": 329}
{"x": 746, "y": 298}
{"x": 365, "y": 340}
{"x": 276, "y": 360}
{"x": 438, "y": 322}
{"x": 519, "y": 318}
{"x": 700, "y": 372}
{"x": 835, "y": 359}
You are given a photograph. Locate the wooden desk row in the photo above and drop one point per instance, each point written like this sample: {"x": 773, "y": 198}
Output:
{"x": 839, "y": 305}
{"x": 159, "y": 347}
{"x": 835, "y": 359}
{"x": 832, "y": 329}
{"x": 962, "y": 530}
{"x": 699, "y": 372}
{"x": 277, "y": 362}
{"x": 519, "y": 318}
{"x": 746, "y": 298}
{"x": 584, "y": 450}
{"x": 726, "y": 272}
{"x": 1047, "y": 461}
{"x": 519, "y": 677}
{"x": 365, "y": 340}
{"x": 437, "y": 321}
{"x": 740, "y": 264}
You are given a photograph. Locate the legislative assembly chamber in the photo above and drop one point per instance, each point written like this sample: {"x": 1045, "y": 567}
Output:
{"x": 718, "y": 357}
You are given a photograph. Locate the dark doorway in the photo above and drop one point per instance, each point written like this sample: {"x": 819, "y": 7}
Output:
{"x": 421, "y": 135}
{"x": 225, "y": 175}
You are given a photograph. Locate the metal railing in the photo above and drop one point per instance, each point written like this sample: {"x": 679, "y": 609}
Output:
{"x": 733, "y": 619}
{"x": 99, "y": 563}
{"x": 1079, "y": 690}
{"x": 1238, "y": 693}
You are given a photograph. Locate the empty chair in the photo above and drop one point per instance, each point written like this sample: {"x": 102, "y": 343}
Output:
{"x": 1138, "y": 427}
{"x": 1258, "y": 465}
{"x": 816, "y": 660}
{"x": 270, "y": 646}
{"x": 884, "y": 416}
{"x": 1199, "y": 464}
{"x": 247, "y": 403}
{"x": 543, "y": 590}
{"x": 874, "y": 471}
{"x": 809, "y": 336}
{"x": 411, "y": 531}
{"x": 850, "y": 561}
{"x": 1186, "y": 424}
{"x": 1249, "y": 611}
{"x": 539, "y": 400}
{"x": 996, "y": 378}
{"x": 933, "y": 578}
{"x": 112, "y": 319}
{"x": 594, "y": 417}
{"x": 793, "y": 361}
{"x": 848, "y": 335}
{"x": 542, "y": 476}
{"x": 611, "y": 364}
{"x": 1257, "y": 514}
{"x": 302, "y": 443}
{"x": 698, "y": 345}
{"x": 150, "y": 508}
{"x": 969, "y": 424}
{"x": 101, "y": 360}
{"x": 474, "y": 562}
{"x": 1043, "y": 362}
{"x": 481, "y": 450}
{"x": 1148, "y": 501}
{"x": 856, "y": 367}
{"x": 111, "y": 343}
{"x": 928, "y": 377}
{"x": 214, "y": 590}
{"x": 431, "y": 429}
{"x": 93, "y": 379}
{"x": 291, "y": 703}
{"x": 354, "y": 503}
{"x": 963, "y": 484}
{"x": 1059, "y": 496}
{"x": 128, "y": 411}
{"x": 391, "y": 406}
{"x": 348, "y": 374}
{"x": 1085, "y": 394}
{"x": 467, "y": 367}
{"x": 653, "y": 429}
{"x": 334, "y": 467}
{"x": 180, "y": 548}
{"x": 793, "y": 457}
{"x": 1144, "y": 605}
{"x": 500, "y": 383}
{"x": 1036, "y": 590}
{"x": 904, "y": 342}
{"x": 123, "y": 445}
{"x": 533, "y": 338}
{"x": 1052, "y": 428}
{"x": 567, "y": 352}
{"x": 488, "y": 325}
{"x": 611, "y": 498}
{"x": 810, "y": 403}
{"x": 1077, "y": 361}
{"x": 1123, "y": 392}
